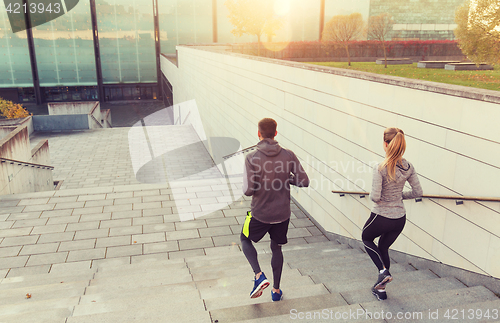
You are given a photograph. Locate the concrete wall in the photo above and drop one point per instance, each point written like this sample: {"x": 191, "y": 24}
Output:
{"x": 334, "y": 119}
{"x": 70, "y": 108}
{"x": 16, "y": 178}
{"x": 8, "y": 125}
{"x": 43, "y": 180}
{"x": 61, "y": 122}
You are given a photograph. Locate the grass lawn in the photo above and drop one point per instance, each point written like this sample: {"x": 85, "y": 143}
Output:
{"x": 489, "y": 80}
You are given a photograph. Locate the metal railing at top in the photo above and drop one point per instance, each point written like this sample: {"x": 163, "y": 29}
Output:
{"x": 457, "y": 198}
{"x": 13, "y": 161}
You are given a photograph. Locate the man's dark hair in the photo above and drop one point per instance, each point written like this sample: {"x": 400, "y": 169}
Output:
{"x": 267, "y": 128}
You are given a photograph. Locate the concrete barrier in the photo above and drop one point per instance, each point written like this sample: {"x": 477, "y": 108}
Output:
{"x": 467, "y": 67}
{"x": 434, "y": 64}
{"x": 394, "y": 61}
{"x": 333, "y": 119}
{"x": 23, "y": 170}
{"x": 61, "y": 122}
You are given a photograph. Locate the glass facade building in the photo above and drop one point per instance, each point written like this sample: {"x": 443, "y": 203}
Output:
{"x": 119, "y": 60}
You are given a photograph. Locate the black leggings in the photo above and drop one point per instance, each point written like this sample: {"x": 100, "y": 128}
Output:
{"x": 388, "y": 230}
{"x": 276, "y": 259}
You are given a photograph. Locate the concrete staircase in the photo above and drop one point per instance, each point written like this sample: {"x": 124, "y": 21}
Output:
{"x": 323, "y": 279}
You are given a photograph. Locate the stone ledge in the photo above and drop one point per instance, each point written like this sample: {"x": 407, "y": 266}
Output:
{"x": 441, "y": 88}
{"x": 394, "y": 61}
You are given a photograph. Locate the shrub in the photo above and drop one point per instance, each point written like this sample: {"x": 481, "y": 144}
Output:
{"x": 11, "y": 110}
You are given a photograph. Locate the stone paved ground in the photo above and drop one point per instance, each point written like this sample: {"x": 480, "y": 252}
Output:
{"x": 122, "y": 156}
{"x": 74, "y": 229}
{"x": 178, "y": 205}
{"x": 127, "y": 114}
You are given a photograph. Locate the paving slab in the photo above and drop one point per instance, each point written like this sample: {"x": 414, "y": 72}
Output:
{"x": 39, "y": 248}
{"x": 43, "y": 292}
{"x": 171, "y": 303}
{"x": 47, "y": 259}
{"x": 186, "y": 253}
{"x": 113, "y": 241}
{"x": 31, "y": 270}
{"x": 121, "y": 251}
{"x": 90, "y": 234}
{"x": 86, "y": 254}
{"x": 9, "y": 251}
{"x": 57, "y": 315}
{"x": 159, "y": 247}
{"x": 92, "y": 297}
{"x": 71, "y": 267}
{"x": 35, "y": 306}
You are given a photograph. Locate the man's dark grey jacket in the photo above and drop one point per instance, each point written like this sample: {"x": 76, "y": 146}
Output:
{"x": 269, "y": 172}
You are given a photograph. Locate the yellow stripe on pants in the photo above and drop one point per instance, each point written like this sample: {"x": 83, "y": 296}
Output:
{"x": 246, "y": 225}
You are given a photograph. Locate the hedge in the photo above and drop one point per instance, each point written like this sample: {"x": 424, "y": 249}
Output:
{"x": 357, "y": 49}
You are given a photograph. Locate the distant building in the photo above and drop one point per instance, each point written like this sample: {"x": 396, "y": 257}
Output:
{"x": 419, "y": 19}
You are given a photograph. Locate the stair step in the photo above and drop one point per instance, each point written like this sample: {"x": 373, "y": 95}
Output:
{"x": 137, "y": 281}
{"x": 171, "y": 302}
{"x": 35, "y": 306}
{"x": 144, "y": 315}
{"x": 199, "y": 261}
{"x": 244, "y": 299}
{"x": 131, "y": 287}
{"x": 339, "y": 258}
{"x": 225, "y": 288}
{"x": 404, "y": 289}
{"x": 359, "y": 262}
{"x": 324, "y": 258}
{"x": 244, "y": 279}
{"x": 352, "y": 313}
{"x": 347, "y": 274}
{"x": 424, "y": 302}
{"x": 242, "y": 264}
{"x": 244, "y": 269}
{"x": 455, "y": 313}
{"x": 97, "y": 294}
{"x": 43, "y": 292}
{"x": 43, "y": 279}
{"x": 139, "y": 269}
{"x": 360, "y": 283}
{"x": 57, "y": 315}
{"x": 256, "y": 311}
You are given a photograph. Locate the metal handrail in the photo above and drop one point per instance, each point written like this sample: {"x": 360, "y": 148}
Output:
{"x": 240, "y": 152}
{"x": 98, "y": 123}
{"x": 13, "y": 161}
{"x": 445, "y": 197}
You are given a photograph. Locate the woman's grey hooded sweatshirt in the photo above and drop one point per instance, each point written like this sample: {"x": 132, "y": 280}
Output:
{"x": 269, "y": 172}
{"x": 388, "y": 195}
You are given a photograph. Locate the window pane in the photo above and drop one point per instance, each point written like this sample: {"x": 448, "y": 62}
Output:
{"x": 64, "y": 49}
{"x": 184, "y": 22}
{"x": 15, "y": 67}
{"x": 126, "y": 38}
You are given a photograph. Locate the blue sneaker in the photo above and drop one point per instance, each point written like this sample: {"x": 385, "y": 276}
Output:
{"x": 277, "y": 296}
{"x": 259, "y": 285}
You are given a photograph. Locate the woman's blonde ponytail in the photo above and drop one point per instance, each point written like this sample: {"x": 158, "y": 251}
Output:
{"x": 396, "y": 146}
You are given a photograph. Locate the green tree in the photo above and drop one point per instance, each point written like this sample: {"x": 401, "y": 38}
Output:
{"x": 379, "y": 28}
{"x": 253, "y": 17}
{"x": 11, "y": 110}
{"x": 478, "y": 30}
{"x": 343, "y": 29}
